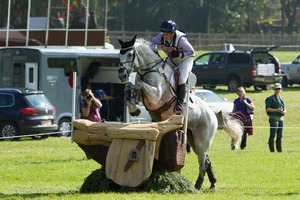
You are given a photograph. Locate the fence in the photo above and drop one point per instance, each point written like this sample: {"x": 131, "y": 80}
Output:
{"x": 203, "y": 41}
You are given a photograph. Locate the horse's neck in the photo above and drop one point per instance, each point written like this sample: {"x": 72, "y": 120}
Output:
{"x": 150, "y": 60}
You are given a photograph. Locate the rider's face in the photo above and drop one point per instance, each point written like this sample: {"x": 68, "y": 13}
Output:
{"x": 167, "y": 36}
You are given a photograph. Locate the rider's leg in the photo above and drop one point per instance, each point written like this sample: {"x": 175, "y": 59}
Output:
{"x": 184, "y": 68}
{"x": 181, "y": 90}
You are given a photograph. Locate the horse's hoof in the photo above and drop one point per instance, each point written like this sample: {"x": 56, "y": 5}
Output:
{"x": 198, "y": 186}
{"x": 136, "y": 113}
{"x": 212, "y": 186}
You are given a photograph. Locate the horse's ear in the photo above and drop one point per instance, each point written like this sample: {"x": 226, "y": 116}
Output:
{"x": 132, "y": 41}
{"x": 120, "y": 41}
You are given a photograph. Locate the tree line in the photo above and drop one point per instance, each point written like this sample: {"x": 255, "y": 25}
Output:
{"x": 206, "y": 16}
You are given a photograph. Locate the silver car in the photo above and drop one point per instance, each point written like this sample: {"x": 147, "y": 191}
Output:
{"x": 292, "y": 72}
{"x": 215, "y": 102}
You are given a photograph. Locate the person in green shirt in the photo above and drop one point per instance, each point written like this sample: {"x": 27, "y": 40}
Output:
{"x": 275, "y": 108}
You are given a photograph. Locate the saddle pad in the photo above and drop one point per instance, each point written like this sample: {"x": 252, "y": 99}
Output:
{"x": 117, "y": 159}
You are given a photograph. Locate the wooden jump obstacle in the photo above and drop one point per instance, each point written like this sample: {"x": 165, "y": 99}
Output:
{"x": 129, "y": 152}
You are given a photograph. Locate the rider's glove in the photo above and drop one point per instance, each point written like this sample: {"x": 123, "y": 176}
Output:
{"x": 175, "y": 54}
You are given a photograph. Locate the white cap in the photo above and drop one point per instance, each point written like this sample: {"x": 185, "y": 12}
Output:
{"x": 277, "y": 86}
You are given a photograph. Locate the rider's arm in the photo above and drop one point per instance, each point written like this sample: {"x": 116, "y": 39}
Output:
{"x": 156, "y": 41}
{"x": 185, "y": 47}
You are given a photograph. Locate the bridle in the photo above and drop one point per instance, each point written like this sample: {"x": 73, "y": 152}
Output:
{"x": 140, "y": 72}
{"x": 130, "y": 61}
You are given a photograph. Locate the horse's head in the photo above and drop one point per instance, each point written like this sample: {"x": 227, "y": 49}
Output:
{"x": 127, "y": 59}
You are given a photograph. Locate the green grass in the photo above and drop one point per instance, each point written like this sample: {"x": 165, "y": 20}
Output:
{"x": 55, "y": 168}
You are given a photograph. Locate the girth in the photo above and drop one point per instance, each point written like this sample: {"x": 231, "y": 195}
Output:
{"x": 163, "y": 108}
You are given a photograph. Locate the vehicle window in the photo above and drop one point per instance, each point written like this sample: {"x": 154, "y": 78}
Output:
{"x": 37, "y": 100}
{"x": 297, "y": 60}
{"x": 203, "y": 60}
{"x": 6, "y": 100}
{"x": 209, "y": 97}
{"x": 68, "y": 64}
{"x": 217, "y": 58}
{"x": 238, "y": 58}
{"x": 263, "y": 58}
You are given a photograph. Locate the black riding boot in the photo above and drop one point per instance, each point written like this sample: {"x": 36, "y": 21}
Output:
{"x": 278, "y": 146}
{"x": 271, "y": 146}
{"x": 180, "y": 98}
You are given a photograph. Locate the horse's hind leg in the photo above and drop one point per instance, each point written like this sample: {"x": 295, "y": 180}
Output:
{"x": 210, "y": 173}
{"x": 202, "y": 170}
{"x": 206, "y": 167}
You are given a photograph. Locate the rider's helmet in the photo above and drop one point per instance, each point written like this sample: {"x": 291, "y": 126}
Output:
{"x": 168, "y": 26}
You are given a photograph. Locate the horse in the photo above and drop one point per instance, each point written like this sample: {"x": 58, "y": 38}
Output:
{"x": 155, "y": 88}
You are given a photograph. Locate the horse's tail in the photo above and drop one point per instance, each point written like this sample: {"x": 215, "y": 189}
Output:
{"x": 232, "y": 126}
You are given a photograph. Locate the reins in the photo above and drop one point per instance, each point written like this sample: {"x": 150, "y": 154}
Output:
{"x": 143, "y": 72}
{"x": 148, "y": 70}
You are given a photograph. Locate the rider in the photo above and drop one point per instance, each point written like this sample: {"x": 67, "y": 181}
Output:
{"x": 180, "y": 52}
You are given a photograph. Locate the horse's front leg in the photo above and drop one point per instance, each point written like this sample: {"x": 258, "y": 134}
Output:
{"x": 153, "y": 94}
{"x": 131, "y": 101}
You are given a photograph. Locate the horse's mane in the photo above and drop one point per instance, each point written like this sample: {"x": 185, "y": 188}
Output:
{"x": 142, "y": 41}
{"x": 144, "y": 46}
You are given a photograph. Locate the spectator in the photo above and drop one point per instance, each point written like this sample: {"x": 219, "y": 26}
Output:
{"x": 275, "y": 109}
{"x": 90, "y": 106}
{"x": 57, "y": 21}
{"x": 79, "y": 14}
{"x": 19, "y": 15}
{"x": 241, "y": 107}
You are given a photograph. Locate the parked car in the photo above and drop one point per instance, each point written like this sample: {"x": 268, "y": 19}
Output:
{"x": 292, "y": 72}
{"x": 256, "y": 68}
{"x": 214, "y": 101}
{"x": 25, "y": 112}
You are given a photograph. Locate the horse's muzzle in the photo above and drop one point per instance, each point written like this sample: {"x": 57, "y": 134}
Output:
{"x": 122, "y": 74}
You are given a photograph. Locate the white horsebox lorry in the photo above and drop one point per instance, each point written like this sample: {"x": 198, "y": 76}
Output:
{"x": 50, "y": 70}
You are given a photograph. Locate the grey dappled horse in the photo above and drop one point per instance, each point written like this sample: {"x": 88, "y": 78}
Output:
{"x": 155, "y": 87}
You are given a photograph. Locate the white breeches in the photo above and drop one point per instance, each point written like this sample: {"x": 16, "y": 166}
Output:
{"x": 184, "y": 67}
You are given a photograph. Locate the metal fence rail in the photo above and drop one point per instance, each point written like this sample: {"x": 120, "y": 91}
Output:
{"x": 203, "y": 41}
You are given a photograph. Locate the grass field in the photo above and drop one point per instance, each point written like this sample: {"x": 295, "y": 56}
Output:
{"x": 55, "y": 168}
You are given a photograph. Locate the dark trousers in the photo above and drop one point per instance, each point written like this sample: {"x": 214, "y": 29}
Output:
{"x": 244, "y": 140}
{"x": 276, "y": 130}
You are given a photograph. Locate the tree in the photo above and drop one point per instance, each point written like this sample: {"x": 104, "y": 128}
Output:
{"x": 289, "y": 9}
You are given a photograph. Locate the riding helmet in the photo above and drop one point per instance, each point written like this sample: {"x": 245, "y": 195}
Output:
{"x": 168, "y": 26}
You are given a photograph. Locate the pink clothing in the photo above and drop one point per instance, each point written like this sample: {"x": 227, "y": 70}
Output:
{"x": 94, "y": 114}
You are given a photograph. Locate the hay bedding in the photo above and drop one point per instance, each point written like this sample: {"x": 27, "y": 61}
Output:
{"x": 159, "y": 181}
